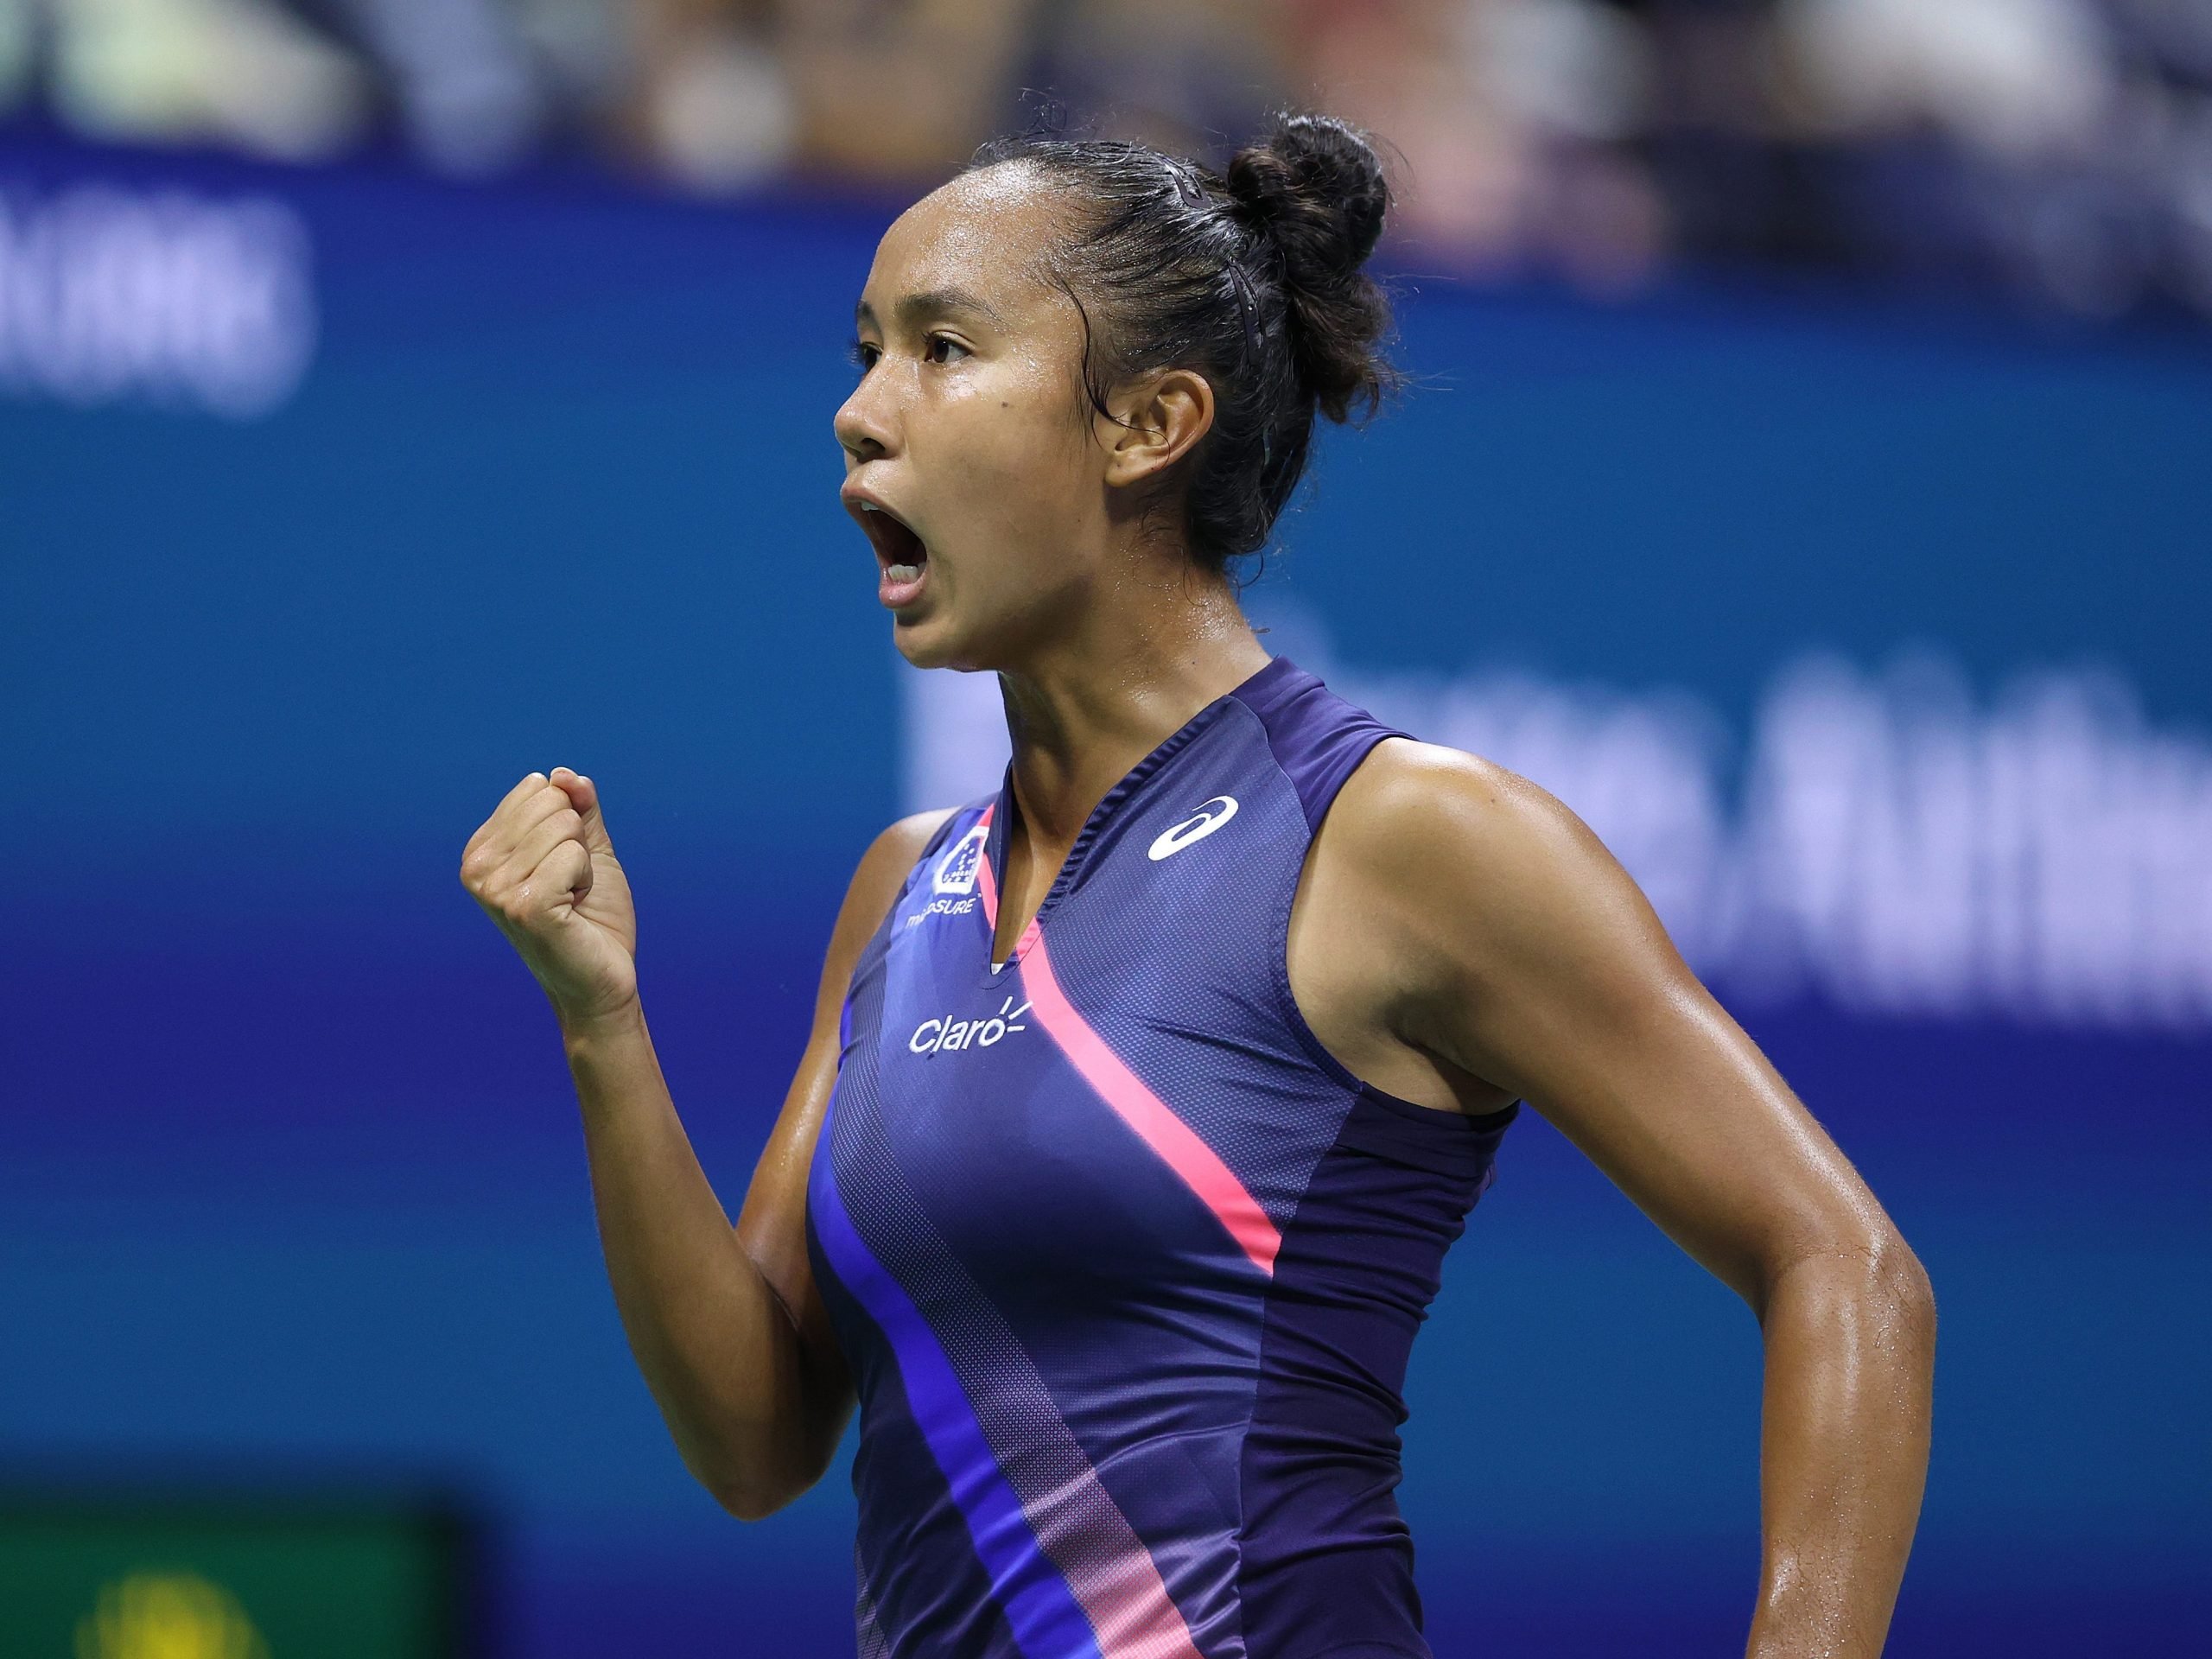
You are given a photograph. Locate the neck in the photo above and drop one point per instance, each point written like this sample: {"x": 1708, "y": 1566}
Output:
{"x": 1085, "y": 709}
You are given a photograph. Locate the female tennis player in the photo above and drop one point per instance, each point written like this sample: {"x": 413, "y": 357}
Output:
{"x": 1145, "y": 1096}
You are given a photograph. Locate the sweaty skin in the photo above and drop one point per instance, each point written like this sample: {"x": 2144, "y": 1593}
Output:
{"x": 1458, "y": 939}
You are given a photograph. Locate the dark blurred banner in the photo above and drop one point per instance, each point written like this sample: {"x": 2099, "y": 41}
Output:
{"x": 1871, "y": 637}
{"x": 2053, "y": 155}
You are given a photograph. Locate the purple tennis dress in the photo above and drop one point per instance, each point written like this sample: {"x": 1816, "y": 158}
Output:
{"x": 1126, "y": 1267}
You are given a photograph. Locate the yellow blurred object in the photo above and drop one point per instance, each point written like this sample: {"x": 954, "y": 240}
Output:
{"x": 167, "y": 1616}
{"x": 244, "y": 70}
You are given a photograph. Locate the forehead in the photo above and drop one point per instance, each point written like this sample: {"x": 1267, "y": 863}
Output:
{"x": 984, "y": 233}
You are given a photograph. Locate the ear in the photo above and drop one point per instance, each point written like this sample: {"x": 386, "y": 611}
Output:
{"x": 1155, "y": 422}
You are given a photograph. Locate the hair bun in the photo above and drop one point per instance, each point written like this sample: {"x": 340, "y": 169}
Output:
{"x": 1315, "y": 185}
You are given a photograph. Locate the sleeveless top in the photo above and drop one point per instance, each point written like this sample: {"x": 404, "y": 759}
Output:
{"x": 1126, "y": 1266}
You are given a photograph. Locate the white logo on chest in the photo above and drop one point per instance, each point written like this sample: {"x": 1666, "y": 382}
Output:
{"x": 1200, "y": 824}
{"x": 939, "y": 1036}
{"x": 956, "y": 871}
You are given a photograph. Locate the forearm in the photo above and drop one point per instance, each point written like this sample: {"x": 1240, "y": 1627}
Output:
{"x": 1850, "y": 1347}
{"x": 717, "y": 1347}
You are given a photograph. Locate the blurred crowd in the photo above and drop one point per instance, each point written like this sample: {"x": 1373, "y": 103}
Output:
{"x": 2061, "y": 150}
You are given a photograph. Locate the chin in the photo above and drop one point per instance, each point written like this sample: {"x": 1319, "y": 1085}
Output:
{"x": 928, "y": 642}
{"x": 937, "y": 642}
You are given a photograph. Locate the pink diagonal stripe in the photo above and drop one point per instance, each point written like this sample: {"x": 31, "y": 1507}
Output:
{"x": 986, "y": 883}
{"x": 1168, "y": 1136}
{"x": 1114, "y": 1578}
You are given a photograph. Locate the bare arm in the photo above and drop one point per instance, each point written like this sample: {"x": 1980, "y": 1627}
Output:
{"x": 1509, "y": 955}
{"x": 725, "y": 1322}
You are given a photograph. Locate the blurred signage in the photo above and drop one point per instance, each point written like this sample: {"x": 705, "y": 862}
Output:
{"x": 111, "y": 1579}
{"x": 115, "y": 294}
{"x": 1887, "y": 840}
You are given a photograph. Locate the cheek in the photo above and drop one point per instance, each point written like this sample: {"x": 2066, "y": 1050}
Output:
{"x": 1016, "y": 445}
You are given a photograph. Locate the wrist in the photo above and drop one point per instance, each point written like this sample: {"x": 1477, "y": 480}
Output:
{"x": 585, "y": 1029}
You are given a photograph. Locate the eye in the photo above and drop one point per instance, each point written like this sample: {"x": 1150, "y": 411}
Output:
{"x": 939, "y": 348}
{"x": 863, "y": 354}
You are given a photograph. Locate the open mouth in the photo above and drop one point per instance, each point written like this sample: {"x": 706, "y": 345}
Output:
{"x": 901, "y": 555}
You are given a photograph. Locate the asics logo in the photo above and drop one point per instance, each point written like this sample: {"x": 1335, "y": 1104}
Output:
{"x": 939, "y": 1036}
{"x": 1200, "y": 824}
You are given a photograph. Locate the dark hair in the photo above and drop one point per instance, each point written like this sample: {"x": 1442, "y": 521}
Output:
{"x": 1252, "y": 278}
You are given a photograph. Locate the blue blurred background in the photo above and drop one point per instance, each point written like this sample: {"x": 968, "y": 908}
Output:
{"x": 1863, "y": 616}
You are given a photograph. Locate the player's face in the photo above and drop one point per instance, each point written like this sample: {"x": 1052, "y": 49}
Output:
{"x": 969, "y": 455}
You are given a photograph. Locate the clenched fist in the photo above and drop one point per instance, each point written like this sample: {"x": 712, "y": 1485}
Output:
{"x": 543, "y": 868}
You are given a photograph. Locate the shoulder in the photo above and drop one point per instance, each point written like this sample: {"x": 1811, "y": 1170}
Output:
{"x": 1450, "y": 852}
{"x": 1410, "y": 806}
{"x": 874, "y": 889}
{"x": 904, "y": 842}
{"x": 884, "y": 867}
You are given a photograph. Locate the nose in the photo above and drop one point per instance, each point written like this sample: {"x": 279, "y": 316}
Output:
{"x": 863, "y": 423}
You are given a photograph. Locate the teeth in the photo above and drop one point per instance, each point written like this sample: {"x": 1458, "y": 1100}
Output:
{"x": 904, "y": 572}
{"x": 870, "y": 506}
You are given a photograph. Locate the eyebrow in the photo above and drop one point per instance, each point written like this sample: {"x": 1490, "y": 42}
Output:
{"x": 932, "y": 302}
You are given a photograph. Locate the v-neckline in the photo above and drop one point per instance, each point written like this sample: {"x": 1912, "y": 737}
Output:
{"x": 1002, "y": 811}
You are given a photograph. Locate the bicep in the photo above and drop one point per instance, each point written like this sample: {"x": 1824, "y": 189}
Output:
{"x": 1552, "y": 976}
{"x": 772, "y": 1224}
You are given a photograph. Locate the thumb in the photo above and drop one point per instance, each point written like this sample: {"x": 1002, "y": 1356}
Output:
{"x": 583, "y": 794}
